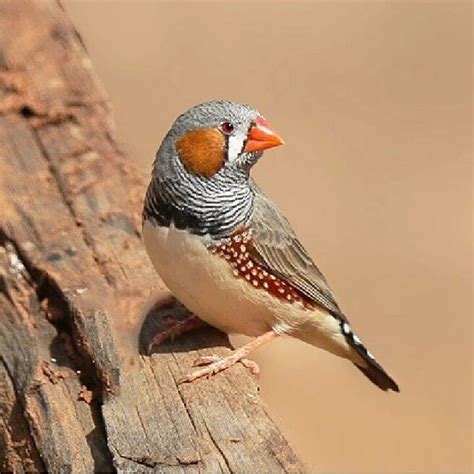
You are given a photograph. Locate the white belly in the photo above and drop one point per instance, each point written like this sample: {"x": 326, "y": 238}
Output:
{"x": 205, "y": 284}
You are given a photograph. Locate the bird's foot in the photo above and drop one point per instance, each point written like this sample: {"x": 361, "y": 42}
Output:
{"x": 215, "y": 364}
{"x": 247, "y": 363}
{"x": 174, "y": 329}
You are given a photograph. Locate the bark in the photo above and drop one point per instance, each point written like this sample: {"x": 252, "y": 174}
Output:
{"x": 76, "y": 393}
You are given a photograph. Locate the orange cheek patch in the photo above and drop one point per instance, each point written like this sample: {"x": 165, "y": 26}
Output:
{"x": 202, "y": 151}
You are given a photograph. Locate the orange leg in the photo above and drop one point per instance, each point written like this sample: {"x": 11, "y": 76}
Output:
{"x": 174, "y": 329}
{"x": 216, "y": 364}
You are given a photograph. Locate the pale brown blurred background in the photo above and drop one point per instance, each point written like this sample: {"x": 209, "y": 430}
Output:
{"x": 374, "y": 102}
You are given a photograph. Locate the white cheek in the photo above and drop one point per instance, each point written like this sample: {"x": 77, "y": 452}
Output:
{"x": 236, "y": 143}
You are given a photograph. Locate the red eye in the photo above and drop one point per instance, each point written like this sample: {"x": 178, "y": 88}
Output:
{"x": 227, "y": 128}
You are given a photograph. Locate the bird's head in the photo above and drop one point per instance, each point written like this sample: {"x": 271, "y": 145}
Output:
{"x": 217, "y": 137}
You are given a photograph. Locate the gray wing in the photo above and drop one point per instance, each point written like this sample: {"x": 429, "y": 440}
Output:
{"x": 276, "y": 248}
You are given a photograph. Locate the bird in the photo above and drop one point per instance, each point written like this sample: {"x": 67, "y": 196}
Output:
{"x": 227, "y": 253}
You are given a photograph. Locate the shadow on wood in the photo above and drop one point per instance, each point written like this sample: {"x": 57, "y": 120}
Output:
{"x": 168, "y": 312}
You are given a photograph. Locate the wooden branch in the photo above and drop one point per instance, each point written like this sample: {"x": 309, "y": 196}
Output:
{"x": 75, "y": 394}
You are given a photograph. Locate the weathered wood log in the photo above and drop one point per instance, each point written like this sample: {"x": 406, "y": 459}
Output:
{"x": 75, "y": 393}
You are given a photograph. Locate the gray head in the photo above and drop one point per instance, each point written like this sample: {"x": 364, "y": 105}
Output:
{"x": 216, "y": 136}
{"x": 202, "y": 167}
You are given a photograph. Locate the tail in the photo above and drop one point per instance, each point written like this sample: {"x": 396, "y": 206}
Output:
{"x": 372, "y": 369}
{"x": 375, "y": 373}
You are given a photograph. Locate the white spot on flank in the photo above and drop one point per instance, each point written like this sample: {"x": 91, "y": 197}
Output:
{"x": 356, "y": 339}
{"x": 370, "y": 355}
{"x": 346, "y": 329}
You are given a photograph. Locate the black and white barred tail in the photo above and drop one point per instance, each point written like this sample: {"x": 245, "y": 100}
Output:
{"x": 373, "y": 371}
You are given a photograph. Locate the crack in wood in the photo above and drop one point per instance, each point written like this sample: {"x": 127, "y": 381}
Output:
{"x": 219, "y": 449}
{"x": 153, "y": 462}
{"x": 46, "y": 289}
{"x": 67, "y": 198}
{"x": 18, "y": 451}
{"x": 20, "y": 99}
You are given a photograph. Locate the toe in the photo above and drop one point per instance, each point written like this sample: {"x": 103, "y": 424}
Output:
{"x": 205, "y": 360}
{"x": 251, "y": 365}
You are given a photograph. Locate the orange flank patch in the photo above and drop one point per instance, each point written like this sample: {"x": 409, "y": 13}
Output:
{"x": 202, "y": 151}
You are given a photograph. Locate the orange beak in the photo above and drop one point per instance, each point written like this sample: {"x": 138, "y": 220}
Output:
{"x": 261, "y": 136}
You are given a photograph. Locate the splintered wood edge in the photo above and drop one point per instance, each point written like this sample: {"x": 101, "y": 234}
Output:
{"x": 71, "y": 264}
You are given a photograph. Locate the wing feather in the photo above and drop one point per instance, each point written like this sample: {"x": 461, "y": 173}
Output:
{"x": 276, "y": 248}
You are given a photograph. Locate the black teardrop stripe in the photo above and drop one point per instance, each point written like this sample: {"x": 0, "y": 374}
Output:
{"x": 160, "y": 213}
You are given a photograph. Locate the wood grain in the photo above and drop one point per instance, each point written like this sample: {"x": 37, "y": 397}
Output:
{"x": 77, "y": 292}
